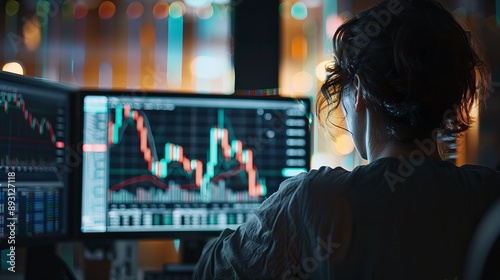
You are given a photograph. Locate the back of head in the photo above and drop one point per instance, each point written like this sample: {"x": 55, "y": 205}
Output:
{"x": 418, "y": 68}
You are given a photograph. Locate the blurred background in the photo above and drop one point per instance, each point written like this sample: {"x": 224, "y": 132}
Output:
{"x": 193, "y": 45}
{"x": 215, "y": 47}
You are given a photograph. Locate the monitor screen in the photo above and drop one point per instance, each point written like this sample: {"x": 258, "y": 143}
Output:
{"x": 186, "y": 163}
{"x": 34, "y": 133}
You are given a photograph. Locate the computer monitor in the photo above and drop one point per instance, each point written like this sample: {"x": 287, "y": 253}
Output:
{"x": 163, "y": 164}
{"x": 34, "y": 183}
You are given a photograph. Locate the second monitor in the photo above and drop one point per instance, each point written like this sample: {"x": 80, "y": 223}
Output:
{"x": 173, "y": 163}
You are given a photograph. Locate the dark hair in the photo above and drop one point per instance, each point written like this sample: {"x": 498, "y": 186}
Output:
{"x": 420, "y": 70}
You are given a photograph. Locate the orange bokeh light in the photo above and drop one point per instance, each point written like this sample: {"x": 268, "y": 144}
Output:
{"x": 107, "y": 10}
{"x": 160, "y": 10}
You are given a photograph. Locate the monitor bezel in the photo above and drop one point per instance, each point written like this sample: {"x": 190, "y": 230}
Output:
{"x": 177, "y": 234}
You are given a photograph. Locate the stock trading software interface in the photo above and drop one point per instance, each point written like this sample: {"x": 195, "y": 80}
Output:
{"x": 186, "y": 162}
{"x": 33, "y": 182}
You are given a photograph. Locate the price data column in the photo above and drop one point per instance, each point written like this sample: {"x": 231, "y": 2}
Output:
{"x": 95, "y": 159}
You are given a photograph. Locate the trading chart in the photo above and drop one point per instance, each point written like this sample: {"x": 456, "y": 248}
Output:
{"x": 33, "y": 136}
{"x": 177, "y": 163}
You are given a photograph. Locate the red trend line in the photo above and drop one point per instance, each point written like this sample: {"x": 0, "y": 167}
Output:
{"x": 138, "y": 179}
{"x": 20, "y": 103}
{"x": 228, "y": 173}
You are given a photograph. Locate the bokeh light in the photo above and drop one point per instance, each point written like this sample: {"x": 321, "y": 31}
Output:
{"x": 205, "y": 12}
{"x": 299, "y": 11}
{"x": 332, "y": 24}
{"x": 13, "y": 67}
{"x": 285, "y": 9}
{"x": 321, "y": 71}
{"x": 160, "y": 10}
{"x": 197, "y": 3}
{"x": 42, "y": 8}
{"x": 32, "y": 34}
{"x": 177, "y": 9}
{"x": 80, "y": 10}
{"x": 135, "y": 10}
{"x": 11, "y": 7}
{"x": 320, "y": 159}
{"x": 208, "y": 67}
{"x": 107, "y": 10}
{"x": 299, "y": 47}
{"x": 344, "y": 144}
{"x": 302, "y": 82}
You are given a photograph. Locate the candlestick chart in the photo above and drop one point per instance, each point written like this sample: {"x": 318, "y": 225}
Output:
{"x": 185, "y": 163}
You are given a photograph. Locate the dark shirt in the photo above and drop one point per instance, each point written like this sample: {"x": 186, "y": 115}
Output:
{"x": 390, "y": 219}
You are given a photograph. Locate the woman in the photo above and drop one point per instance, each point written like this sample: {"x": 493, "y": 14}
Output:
{"x": 404, "y": 71}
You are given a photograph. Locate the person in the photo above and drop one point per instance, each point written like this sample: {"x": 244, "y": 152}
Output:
{"x": 404, "y": 73}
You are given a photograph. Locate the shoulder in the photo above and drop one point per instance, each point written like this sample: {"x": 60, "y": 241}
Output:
{"x": 314, "y": 189}
{"x": 329, "y": 174}
{"x": 482, "y": 174}
{"x": 327, "y": 181}
{"x": 480, "y": 169}
{"x": 324, "y": 180}
{"x": 323, "y": 190}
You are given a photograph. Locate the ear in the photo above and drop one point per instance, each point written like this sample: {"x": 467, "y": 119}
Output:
{"x": 359, "y": 104}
